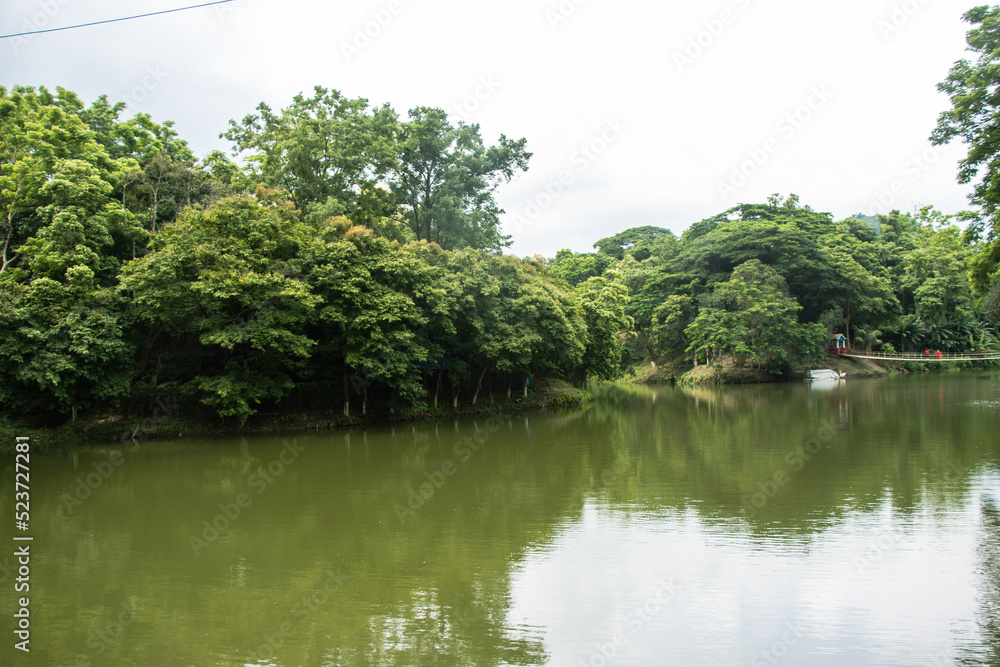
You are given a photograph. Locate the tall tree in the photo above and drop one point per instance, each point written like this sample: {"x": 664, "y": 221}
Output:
{"x": 446, "y": 178}
{"x": 325, "y": 150}
{"x": 603, "y": 300}
{"x": 39, "y": 140}
{"x": 974, "y": 90}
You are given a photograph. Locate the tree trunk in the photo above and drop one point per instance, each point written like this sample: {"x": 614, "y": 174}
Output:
{"x": 479, "y": 385}
{"x": 416, "y": 220}
{"x": 428, "y": 205}
{"x": 437, "y": 388}
{"x": 6, "y": 243}
{"x": 347, "y": 396}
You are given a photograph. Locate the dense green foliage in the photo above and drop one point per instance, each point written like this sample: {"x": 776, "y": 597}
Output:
{"x": 350, "y": 260}
{"x": 130, "y": 270}
{"x": 768, "y": 284}
{"x": 973, "y": 118}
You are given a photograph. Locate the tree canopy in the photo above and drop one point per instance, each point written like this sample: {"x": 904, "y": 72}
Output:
{"x": 349, "y": 261}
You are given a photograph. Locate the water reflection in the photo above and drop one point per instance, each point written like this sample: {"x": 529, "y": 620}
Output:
{"x": 694, "y": 526}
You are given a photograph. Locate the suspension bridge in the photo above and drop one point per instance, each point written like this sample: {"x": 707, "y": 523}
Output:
{"x": 984, "y": 355}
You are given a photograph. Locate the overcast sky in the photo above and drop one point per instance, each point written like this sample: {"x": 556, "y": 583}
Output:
{"x": 638, "y": 113}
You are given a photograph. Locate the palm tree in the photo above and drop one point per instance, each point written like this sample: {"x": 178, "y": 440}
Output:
{"x": 941, "y": 333}
{"x": 911, "y": 331}
{"x": 867, "y": 338}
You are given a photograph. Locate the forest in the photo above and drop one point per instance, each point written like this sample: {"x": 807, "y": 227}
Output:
{"x": 352, "y": 260}
{"x": 348, "y": 258}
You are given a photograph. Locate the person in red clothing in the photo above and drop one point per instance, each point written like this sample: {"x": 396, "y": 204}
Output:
{"x": 939, "y": 355}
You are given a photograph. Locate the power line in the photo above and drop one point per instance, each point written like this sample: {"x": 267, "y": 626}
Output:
{"x": 124, "y": 18}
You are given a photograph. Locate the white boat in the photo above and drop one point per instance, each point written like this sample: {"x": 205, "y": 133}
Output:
{"x": 825, "y": 374}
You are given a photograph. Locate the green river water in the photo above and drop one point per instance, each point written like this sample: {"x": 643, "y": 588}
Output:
{"x": 851, "y": 523}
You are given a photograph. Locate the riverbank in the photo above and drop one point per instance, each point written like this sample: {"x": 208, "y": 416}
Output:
{"x": 727, "y": 372}
{"x": 167, "y": 421}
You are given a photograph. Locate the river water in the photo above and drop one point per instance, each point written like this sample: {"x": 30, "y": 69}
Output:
{"x": 851, "y": 523}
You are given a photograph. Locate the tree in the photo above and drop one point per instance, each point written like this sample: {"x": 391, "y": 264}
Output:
{"x": 778, "y": 238}
{"x": 752, "y": 316}
{"x": 160, "y": 174}
{"x": 323, "y": 150}
{"x": 856, "y": 290}
{"x": 936, "y": 273}
{"x": 41, "y": 142}
{"x": 670, "y": 319}
{"x": 576, "y": 268}
{"x": 867, "y": 338}
{"x": 558, "y": 326}
{"x": 765, "y": 313}
{"x": 369, "y": 317}
{"x": 231, "y": 276}
{"x": 603, "y": 301}
{"x": 75, "y": 226}
{"x": 446, "y": 178}
{"x": 640, "y": 242}
{"x": 713, "y": 333}
{"x": 62, "y": 344}
{"x": 973, "y": 118}
{"x": 910, "y": 330}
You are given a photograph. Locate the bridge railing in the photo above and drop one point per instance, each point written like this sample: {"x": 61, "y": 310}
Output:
{"x": 922, "y": 356}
